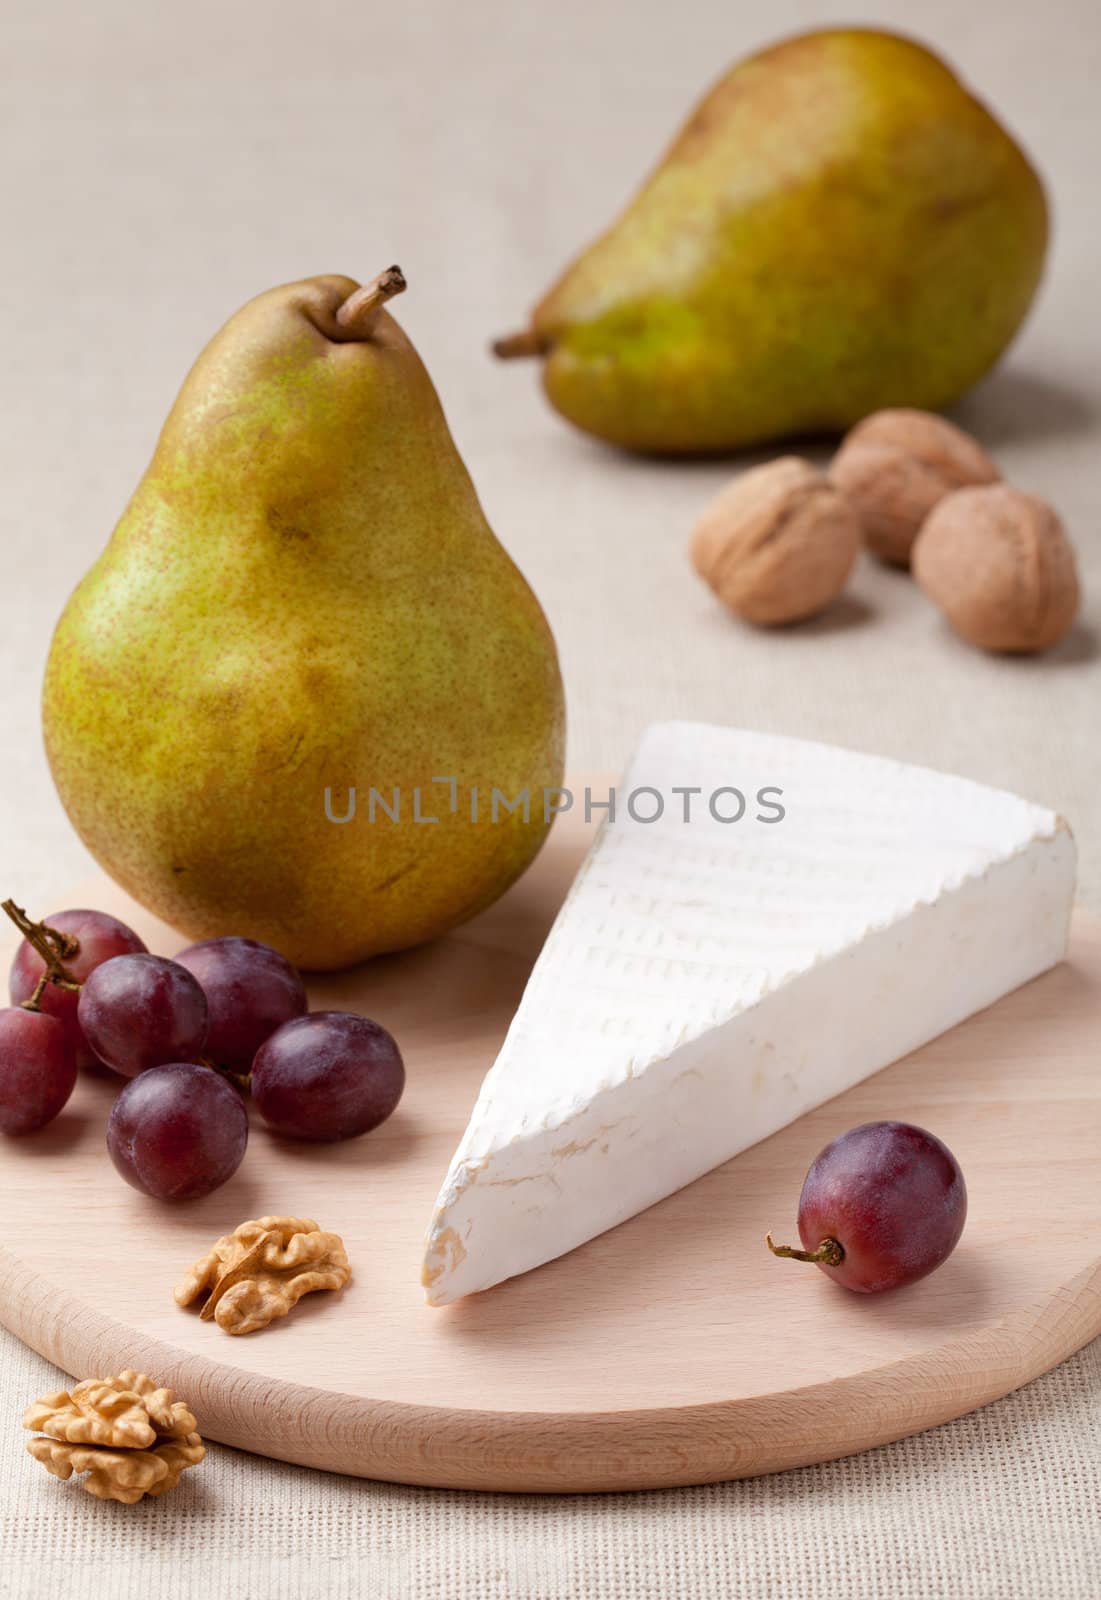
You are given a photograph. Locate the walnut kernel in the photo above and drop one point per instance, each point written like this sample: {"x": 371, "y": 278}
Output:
{"x": 261, "y": 1270}
{"x": 129, "y": 1437}
{"x": 123, "y": 1475}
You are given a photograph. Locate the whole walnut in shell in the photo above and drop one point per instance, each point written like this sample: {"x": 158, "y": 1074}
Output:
{"x": 895, "y": 466}
{"x": 778, "y": 543}
{"x": 1001, "y": 568}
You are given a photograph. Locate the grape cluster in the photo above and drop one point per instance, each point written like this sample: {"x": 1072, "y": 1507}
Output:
{"x": 192, "y": 1036}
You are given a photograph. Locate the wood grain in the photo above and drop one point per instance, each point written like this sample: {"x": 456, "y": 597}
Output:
{"x": 672, "y": 1350}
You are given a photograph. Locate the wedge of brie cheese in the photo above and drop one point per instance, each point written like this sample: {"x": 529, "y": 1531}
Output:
{"x": 709, "y": 980}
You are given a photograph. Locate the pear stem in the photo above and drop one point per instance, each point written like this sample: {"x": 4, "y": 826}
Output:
{"x": 52, "y": 945}
{"x": 359, "y": 312}
{"x": 830, "y": 1252}
{"x": 515, "y": 345}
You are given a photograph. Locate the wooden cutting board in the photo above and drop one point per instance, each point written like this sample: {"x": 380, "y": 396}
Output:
{"x": 672, "y": 1350}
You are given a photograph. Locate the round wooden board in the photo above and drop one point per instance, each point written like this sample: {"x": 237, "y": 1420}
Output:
{"x": 672, "y": 1350}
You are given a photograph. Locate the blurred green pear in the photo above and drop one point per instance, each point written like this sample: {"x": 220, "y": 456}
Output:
{"x": 840, "y": 226}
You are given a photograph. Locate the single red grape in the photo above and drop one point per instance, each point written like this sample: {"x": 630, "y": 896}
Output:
{"x": 329, "y": 1075}
{"x": 250, "y": 991}
{"x": 881, "y": 1206}
{"x": 37, "y": 1069}
{"x": 100, "y": 937}
{"x": 177, "y": 1132}
{"x": 142, "y": 1011}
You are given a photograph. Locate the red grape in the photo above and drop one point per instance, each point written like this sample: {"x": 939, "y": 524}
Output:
{"x": 329, "y": 1075}
{"x": 142, "y": 1011}
{"x": 100, "y": 937}
{"x": 250, "y": 991}
{"x": 881, "y": 1206}
{"x": 177, "y": 1132}
{"x": 37, "y": 1069}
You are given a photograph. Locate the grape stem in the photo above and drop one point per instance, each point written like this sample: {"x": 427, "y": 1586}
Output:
{"x": 52, "y": 945}
{"x": 830, "y": 1252}
{"x": 239, "y": 1080}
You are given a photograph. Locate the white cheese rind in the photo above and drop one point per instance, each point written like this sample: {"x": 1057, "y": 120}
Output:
{"x": 705, "y": 984}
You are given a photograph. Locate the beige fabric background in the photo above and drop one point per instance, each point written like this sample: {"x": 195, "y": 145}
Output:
{"x": 161, "y": 164}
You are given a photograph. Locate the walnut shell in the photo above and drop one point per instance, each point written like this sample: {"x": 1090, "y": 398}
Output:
{"x": 1001, "y": 568}
{"x": 778, "y": 543}
{"x": 895, "y": 466}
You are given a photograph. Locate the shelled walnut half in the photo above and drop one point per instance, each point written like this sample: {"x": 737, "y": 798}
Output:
{"x": 261, "y": 1270}
{"x": 127, "y": 1436}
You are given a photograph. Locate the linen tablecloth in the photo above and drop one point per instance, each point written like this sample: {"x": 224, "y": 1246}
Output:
{"x": 162, "y": 164}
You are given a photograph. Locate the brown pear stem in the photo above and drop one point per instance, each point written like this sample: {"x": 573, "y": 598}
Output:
{"x": 525, "y": 343}
{"x": 52, "y": 945}
{"x": 359, "y": 312}
{"x": 830, "y": 1252}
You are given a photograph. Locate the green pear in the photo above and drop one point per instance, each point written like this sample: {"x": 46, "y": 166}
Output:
{"x": 302, "y": 599}
{"x": 840, "y": 226}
